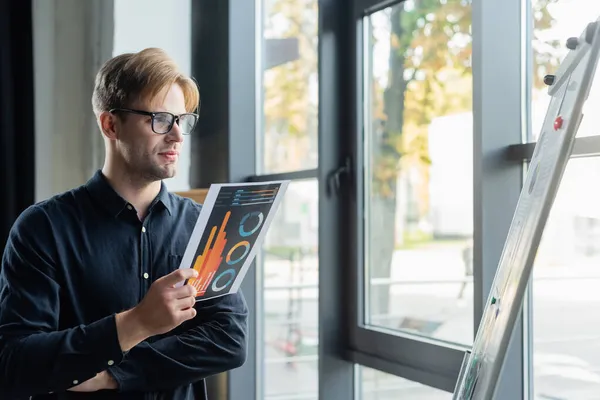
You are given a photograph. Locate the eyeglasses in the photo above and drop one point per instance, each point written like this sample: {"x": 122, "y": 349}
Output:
{"x": 162, "y": 122}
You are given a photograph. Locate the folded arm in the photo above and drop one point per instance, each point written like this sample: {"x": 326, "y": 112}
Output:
{"x": 213, "y": 342}
{"x": 35, "y": 357}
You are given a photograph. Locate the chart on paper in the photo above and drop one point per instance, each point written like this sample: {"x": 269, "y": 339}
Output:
{"x": 230, "y": 230}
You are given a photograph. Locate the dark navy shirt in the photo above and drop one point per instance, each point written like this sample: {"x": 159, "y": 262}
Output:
{"x": 73, "y": 262}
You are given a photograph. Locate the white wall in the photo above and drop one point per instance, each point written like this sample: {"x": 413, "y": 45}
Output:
{"x": 72, "y": 38}
{"x": 158, "y": 23}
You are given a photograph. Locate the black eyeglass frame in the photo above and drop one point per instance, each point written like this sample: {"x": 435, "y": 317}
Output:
{"x": 175, "y": 118}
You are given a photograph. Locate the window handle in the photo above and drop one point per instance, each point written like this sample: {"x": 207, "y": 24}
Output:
{"x": 337, "y": 177}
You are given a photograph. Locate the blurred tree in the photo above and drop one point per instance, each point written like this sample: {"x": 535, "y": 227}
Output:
{"x": 429, "y": 75}
{"x": 546, "y": 53}
{"x": 290, "y": 114}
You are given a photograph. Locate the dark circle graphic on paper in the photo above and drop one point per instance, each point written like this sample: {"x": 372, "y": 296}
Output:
{"x": 534, "y": 177}
{"x": 243, "y": 231}
{"x": 244, "y": 243}
{"x": 230, "y": 272}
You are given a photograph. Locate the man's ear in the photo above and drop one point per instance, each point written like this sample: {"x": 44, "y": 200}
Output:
{"x": 108, "y": 125}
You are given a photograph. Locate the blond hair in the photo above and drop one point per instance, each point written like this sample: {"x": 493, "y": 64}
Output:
{"x": 127, "y": 77}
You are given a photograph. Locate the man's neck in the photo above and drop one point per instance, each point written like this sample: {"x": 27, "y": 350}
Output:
{"x": 137, "y": 191}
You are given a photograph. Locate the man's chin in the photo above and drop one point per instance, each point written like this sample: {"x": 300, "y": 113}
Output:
{"x": 169, "y": 173}
{"x": 164, "y": 172}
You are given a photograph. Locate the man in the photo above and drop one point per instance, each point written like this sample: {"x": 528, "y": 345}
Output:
{"x": 88, "y": 302}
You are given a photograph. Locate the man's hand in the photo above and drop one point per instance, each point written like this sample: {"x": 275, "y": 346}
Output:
{"x": 101, "y": 381}
{"x": 165, "y": 307}
{"x": 162, "y": 309}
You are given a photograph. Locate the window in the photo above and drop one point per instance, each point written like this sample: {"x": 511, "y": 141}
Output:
{"x": 288, "y": 140}
{"x": 565, "y": 278}
{"x": 414, "y": 210}
{"x": 553, "y": 23}
{"x": 422, "y": 119}
{"x": 418, "y": 158}
{"x": 566, "y": 343}
{"x": 287, "y": 144}
{"x": 290, "y": 267}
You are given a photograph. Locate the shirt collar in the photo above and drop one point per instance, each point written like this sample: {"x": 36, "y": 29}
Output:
{"x": 103, "y": 193}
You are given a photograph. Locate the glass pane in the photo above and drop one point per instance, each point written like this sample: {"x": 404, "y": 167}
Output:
{"x": 290, "y": 277}
{"x": 288, "y": 138}
{"x": 377, "y": 385}
{"x": 553, "y": 23}
{"x": 566, "y": 277}
{"x": 418, "y": 194}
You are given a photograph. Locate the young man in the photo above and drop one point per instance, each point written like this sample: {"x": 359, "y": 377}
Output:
{"x": 88, "y": 303}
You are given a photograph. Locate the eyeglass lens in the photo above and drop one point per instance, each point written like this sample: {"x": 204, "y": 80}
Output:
{"x": 163, "y": 122}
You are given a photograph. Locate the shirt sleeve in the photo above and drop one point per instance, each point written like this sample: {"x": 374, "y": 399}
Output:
{"x": 213, "y": 342}
{"x": 35, "y": 357}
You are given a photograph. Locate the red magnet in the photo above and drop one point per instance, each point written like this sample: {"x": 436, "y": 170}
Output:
{"x": 558, "y": 123}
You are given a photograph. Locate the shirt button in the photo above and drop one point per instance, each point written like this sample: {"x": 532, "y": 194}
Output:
{"x": 75, "y": 382}
{"x": 143, "y": 229}
{"x": 110, "y": 362}
{"x": 146, "y": 276}
{"x": 129, "y": 206}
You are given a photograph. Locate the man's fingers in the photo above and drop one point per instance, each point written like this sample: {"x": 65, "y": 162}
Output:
{"x": 186, "y": 303}
{"x": 178, "y": 275}
{"x": 189, "y": 313}
{"x": 184, "y": 291}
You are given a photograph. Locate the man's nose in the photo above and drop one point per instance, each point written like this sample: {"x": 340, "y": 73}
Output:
{"x": 175, "y": 134}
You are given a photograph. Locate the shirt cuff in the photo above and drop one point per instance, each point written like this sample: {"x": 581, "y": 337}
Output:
{"x": 102, "y": 349}
{"x": 128, "y": 376}
{"x": 104, "y": 335}
{"x": 118, "y": 377}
